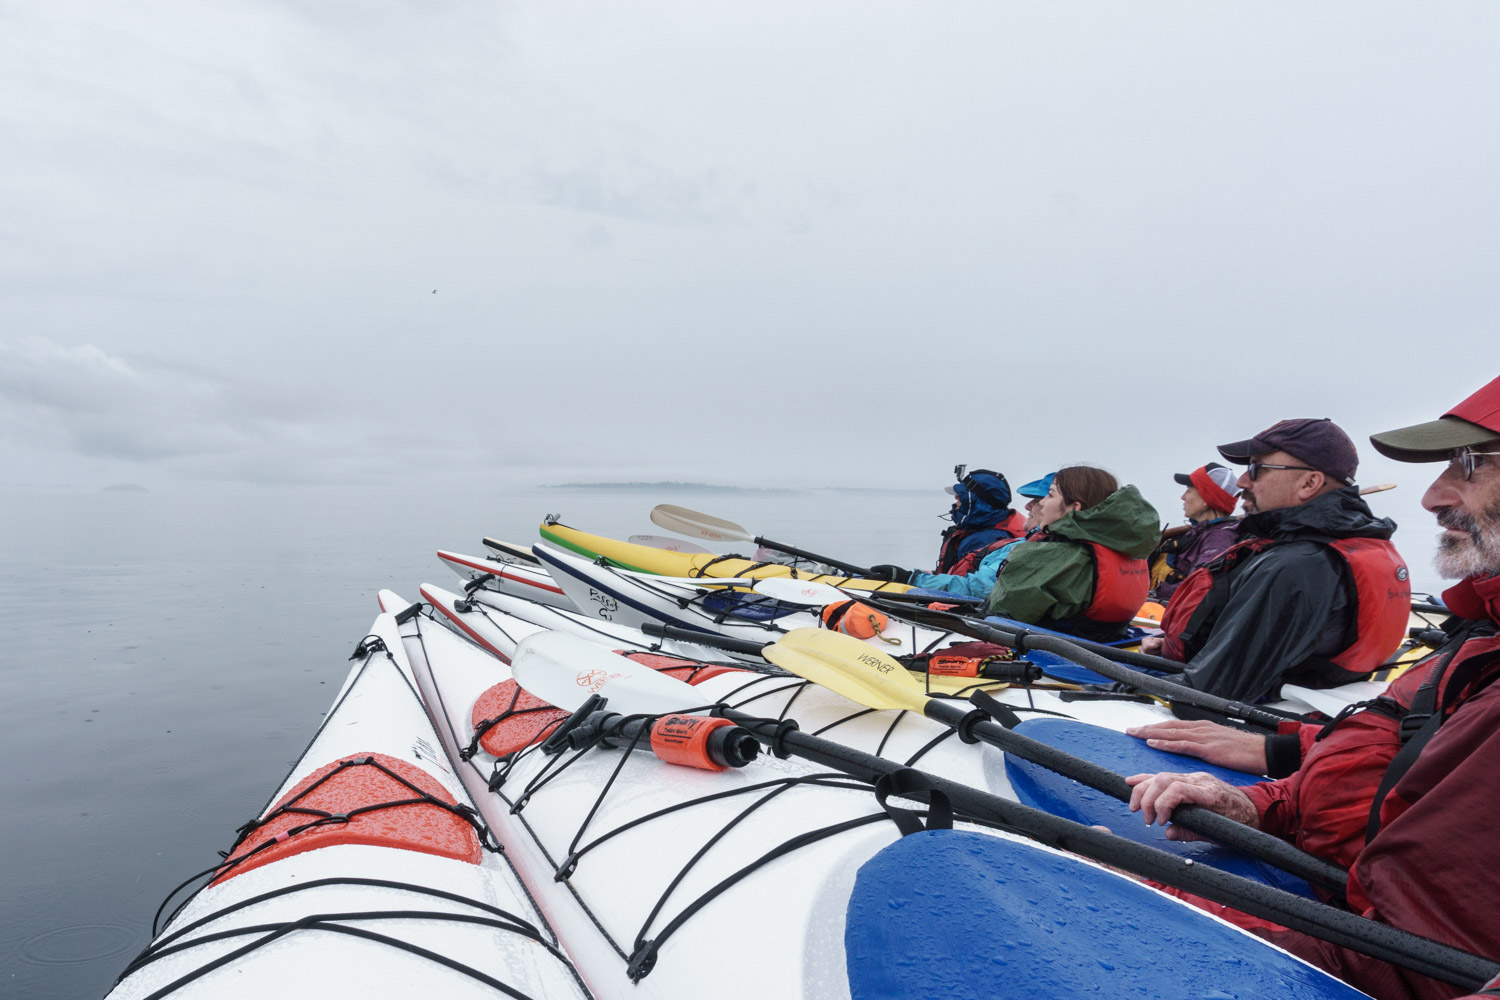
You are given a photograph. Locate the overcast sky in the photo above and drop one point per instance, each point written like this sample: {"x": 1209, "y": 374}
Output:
{"x": 789, "y": 243}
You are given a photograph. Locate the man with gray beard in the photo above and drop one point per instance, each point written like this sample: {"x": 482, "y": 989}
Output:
{"x": 1403, "y": 791}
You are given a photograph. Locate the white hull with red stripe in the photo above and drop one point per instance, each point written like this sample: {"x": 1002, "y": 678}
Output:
{"x": 532, "y": 582}
{"x": 274, "y": 931}
{"x": 498, "y": 621}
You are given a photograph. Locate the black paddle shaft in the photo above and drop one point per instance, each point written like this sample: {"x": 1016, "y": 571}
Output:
{"x": 712, "y": 639}
{"x": 1220, "y": 829}
{"x": 966, "y": 625}
{"x": 792, "y": 550}
{"x": 1024, "y": 639}
{"x": 1340, "y": 927}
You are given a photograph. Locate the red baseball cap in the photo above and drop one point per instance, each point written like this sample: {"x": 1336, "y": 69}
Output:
{"x": 1474, "y": 421}
{"x": 1320, "y": 443}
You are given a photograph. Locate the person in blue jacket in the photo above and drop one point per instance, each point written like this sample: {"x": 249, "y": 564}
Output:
{"x": 979, "y": 580}
{"x": 981, "y": 516}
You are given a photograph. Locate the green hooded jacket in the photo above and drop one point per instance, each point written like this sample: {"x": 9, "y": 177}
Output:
{"x": 1041, "y": 583}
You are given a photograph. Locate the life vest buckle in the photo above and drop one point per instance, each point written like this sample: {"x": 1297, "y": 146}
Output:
{"x": 1411, "y": 724}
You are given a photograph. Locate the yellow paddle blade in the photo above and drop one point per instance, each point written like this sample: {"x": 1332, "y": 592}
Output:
{"x": 848, "y": 667}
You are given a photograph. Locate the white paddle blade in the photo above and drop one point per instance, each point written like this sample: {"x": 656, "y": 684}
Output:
{"x": 698, "y": 524}
{"x": 667, "y": 544}
{"x": 564, "y": 670}
{"x": 1331, "y": 701}
{"x": 804, "y": 593}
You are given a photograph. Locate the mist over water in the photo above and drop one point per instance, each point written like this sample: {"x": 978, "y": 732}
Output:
{"x": 166, "y": 655}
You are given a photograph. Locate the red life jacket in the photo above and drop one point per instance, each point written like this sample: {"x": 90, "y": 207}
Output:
{"x": 1013, "y": 525}
{"x": 1382, "y": 601}
{"x": 966, "y": 565}
{"x": 1120, "y": 588}
{"x": 1120, "y": 585}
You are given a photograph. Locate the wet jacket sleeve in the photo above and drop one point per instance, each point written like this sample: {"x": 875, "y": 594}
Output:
{"x": 1434, "y": 867}
{"x": 1290, "y": 606}
{"x": 978, "y": 583}
{"x": 1276, "y": 804}
{"x": 1043, "y": 579}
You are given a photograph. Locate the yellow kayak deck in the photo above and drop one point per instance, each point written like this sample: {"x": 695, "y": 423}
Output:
{"x": 645, "y": 559}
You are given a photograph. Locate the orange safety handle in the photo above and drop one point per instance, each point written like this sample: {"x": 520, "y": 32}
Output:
{"x": 953, "y": 665}
{"x": 702, "y": 741}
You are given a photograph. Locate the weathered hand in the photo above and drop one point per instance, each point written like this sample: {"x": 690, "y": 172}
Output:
{"x": 1155, "y": 796}
{"x": 1152, "y": 644}
{"x": 1221, "y": 745}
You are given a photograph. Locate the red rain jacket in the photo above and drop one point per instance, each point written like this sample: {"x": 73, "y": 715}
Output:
{"x": 1433, "y": 867}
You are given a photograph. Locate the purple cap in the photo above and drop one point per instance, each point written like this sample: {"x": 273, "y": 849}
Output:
{"x": 1320, "y": 443}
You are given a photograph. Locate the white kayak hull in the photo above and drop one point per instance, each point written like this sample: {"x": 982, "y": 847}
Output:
{"x": 248, "y": 936}
{"x": 530, "y": 581}
{"x": 661, "y": 879}
{"x": 624, "y": 597}
{"x": 603, "y": 909}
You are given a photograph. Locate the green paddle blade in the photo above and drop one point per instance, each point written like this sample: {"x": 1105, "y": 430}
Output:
{"x": 846, "y": 665}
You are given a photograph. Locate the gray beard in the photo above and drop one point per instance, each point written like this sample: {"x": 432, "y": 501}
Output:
{"x": 1475, "y": 554}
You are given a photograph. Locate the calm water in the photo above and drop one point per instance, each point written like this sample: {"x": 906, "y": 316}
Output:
{"x": 165, "y": 656}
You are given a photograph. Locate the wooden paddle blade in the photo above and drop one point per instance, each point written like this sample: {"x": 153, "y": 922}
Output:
{"x": 509, "y": 552}
{"x": 848, "y": 667}
{"x": 693, "y": 522}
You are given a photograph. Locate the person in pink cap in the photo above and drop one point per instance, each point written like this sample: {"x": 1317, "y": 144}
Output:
{"x": 1401, "y": 791}
{"x": 1209, "y": 503}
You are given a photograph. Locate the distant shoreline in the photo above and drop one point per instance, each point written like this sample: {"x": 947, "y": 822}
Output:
{"x": 712, "y": 488}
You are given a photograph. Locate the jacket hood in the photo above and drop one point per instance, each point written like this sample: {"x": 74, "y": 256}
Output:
{"x": 1341, "y": 514}
{"x": 1122, "y": 521}
{"x": 976, "y": 508}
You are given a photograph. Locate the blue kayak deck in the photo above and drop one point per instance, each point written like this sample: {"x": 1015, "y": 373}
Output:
{"x": 969, "y": 916}
{"x": 1049, "y": 791}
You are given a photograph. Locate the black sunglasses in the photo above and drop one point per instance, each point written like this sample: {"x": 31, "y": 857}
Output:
{"x": 1254, "y": 469}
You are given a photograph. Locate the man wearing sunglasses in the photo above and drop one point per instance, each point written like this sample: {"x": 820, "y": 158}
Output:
{"x": 1315, "y": 593}
{"x": 1401, "y": 792}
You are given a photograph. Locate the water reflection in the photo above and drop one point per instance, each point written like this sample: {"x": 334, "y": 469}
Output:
{"x": 165, "y": 656}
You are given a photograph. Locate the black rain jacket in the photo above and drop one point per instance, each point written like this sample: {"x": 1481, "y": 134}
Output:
{"x": 1288, "y": 604}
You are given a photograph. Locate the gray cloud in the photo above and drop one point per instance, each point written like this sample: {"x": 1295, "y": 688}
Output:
{"x": 81, "y": 399}
{"x": 778, "y": 243}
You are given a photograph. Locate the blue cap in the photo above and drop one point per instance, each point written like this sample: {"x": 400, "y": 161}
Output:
{"x": 1037, "y": 488}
